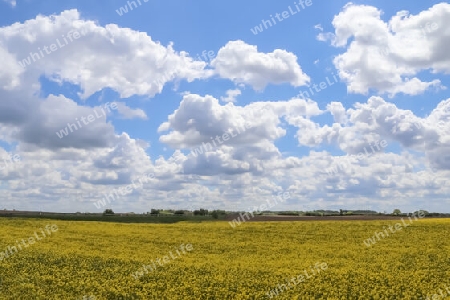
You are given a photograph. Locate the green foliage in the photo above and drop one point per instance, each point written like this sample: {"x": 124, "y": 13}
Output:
{"x": 154, "y": 211}
{"x": 422, "y": 212}
{"x": 108, "y": 212}
{"x": 217, "y": 213}
{"x": 288, "y": 213}
{"x": 201, "y": 212}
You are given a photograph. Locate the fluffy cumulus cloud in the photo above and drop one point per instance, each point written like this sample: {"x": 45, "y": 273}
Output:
{"x": 199, "y": 119}
{"x": 242, "y": 63}
{"x": 377, "y": 120}
{"x": 389, "y": 56}
{"x": 130, "y": 61}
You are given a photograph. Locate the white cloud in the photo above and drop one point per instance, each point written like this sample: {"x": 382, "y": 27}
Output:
{"x": 388, "y": 56}
{"x": 377, "y": 120}
{"x": 242, "y": 63}
{"x": 338, "y": 112}
{"x": 129, "y": 113}
{"x": 198, "y": 119}
{"x": 130, "y": 62}
{"x": 231, "y": 95}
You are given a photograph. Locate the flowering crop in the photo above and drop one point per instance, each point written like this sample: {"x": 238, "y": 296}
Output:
{"x": 94, "y": 260}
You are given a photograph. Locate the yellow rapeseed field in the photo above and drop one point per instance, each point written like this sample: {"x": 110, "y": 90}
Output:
{"x": 94, "y": 260}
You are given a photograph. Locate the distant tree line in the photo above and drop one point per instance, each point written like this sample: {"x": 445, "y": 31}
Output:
{"x": 198, "y": 212}
{"x": 216, "y": 214}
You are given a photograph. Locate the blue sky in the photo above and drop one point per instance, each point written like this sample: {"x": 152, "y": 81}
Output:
{"x": 383, "y": 68}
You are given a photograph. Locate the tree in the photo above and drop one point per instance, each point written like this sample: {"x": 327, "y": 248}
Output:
{"x": 108, "y": 211}
{"x": 201, "y": 212}
{"x": 421, "y": 212}
{"x": 396, "y": 212}
{"x": 154, "y": 212}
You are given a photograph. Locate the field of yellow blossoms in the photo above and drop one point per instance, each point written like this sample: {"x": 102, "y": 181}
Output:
{"x": 257, "y": 260}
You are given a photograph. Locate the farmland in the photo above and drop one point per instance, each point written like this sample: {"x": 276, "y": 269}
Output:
{"x": 97, "y": 260}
